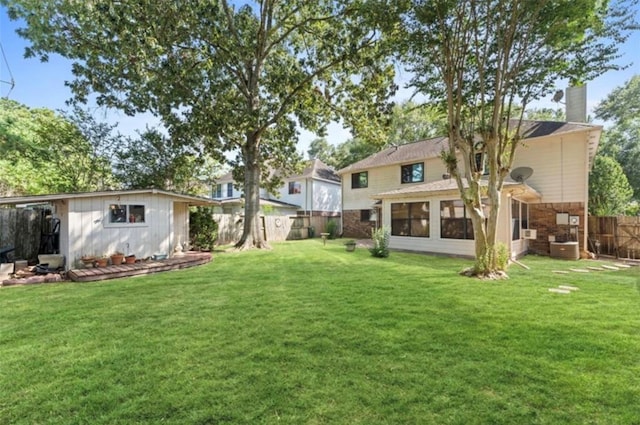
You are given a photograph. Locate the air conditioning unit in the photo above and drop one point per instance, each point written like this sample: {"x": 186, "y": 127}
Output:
{"x": 529, "y": 233}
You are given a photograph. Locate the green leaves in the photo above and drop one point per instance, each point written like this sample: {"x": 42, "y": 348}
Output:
{"x": 44, "y": 152}
{"x": 609, "y": 190}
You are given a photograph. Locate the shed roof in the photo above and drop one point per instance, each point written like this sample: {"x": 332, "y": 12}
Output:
{"x": 29, "y": 199}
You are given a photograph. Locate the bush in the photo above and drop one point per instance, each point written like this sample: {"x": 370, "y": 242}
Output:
{"x": 203, "y": 230}
{"x": 332, "y": 228}
{"x": 380, "y": 239}
{"x": 502, "y": 256}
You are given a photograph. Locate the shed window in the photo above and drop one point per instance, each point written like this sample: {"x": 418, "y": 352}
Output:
{"x": 126, "y": 214}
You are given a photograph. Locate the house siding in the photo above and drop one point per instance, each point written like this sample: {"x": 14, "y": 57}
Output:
{"x": 560, "y": 168}
{"x": 383, "y": 179}
{"x": 435, "y": 243}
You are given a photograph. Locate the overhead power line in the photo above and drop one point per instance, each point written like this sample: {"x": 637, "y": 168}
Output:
{"x": 11, "y": 82}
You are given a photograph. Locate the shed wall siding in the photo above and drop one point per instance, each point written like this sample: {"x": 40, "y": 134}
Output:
{"x": 89, "y": 236}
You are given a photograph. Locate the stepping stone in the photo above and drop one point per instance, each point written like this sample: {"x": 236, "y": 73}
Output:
{"x": 569, "y": 287}
{"x": 560, "y": 272}
{"x": 595, "y": 268}
{"x": 580, "y": 270}
{"x": 608, "y": 267}
{"x": 559, "y": 291}
{"x": 624, "y": 266}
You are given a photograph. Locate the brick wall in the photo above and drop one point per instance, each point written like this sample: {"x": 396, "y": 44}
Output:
{"x": 542, "y": 217}
{"x": 354, "y": 228}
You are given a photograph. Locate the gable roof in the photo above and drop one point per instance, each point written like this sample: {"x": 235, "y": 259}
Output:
{"x": 317, "y": 169}
{"x": 431, "y": 148}
{"x": 33, "y": 199}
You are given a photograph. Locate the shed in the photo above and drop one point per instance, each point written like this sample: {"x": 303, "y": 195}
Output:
{"x": 140, "y": 222}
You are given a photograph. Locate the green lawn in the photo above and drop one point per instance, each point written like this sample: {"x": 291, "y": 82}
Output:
{"x": 311, "y": 334}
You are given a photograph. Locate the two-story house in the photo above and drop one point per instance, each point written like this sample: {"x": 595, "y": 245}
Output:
{"x": 314, "y": 192}
{"x": 406, "y": 188}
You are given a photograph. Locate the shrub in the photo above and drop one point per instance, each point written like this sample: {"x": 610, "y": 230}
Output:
{"x": 502, "y": 256}
{"x": 203, "y": 230}
{"x": 332, "y": 228}
{"x": 380, "y": 239}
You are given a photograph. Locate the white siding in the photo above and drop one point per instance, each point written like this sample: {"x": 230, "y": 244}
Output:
{"x": 559, "y": 164}
{"x": 326, "y": 196}
{"x": 434, "y": 243}
{"x": 384, "y": 179}
{"x": 88, "y": 234}
{"x": 294, "y": 198}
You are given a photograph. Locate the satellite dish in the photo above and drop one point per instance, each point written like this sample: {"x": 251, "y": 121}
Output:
{"x": 557, "y": 97}
{"x": 521, "y": 174}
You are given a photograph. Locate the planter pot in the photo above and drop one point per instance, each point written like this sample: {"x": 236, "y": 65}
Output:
{"x": 130, "y": 259}
{"x": 102, "y": 262}
{"x": 117, "y": 259}
{"x": 88, "y": 261}
{"x": 350, "y": 247}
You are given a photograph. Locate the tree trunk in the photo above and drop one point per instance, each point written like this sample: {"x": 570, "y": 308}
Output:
{"x": 252, "y": 234}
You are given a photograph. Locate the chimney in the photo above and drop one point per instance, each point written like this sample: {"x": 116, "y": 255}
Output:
{"x": 576, "y": 103}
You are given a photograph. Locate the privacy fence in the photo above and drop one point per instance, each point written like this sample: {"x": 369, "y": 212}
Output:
{"x": 21, "y": 229}
{"x": 615, "y": 236}
{"x": 274, "y": 227}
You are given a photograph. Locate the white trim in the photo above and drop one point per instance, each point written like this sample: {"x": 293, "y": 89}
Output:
{"x": 107, "y": 224}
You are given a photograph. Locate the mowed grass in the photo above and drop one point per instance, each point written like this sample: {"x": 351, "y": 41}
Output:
{"x": 311, "y": 334}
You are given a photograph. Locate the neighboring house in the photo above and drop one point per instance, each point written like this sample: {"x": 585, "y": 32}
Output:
{"x": 314, "y": 192}
{"x": 406, "y": 188}
{"x": 141, "y": 222}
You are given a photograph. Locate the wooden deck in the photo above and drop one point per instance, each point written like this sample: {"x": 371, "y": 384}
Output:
{"x": 189, "y": 259}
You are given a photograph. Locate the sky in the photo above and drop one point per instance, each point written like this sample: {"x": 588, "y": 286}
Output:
{"x": 43, "y": 84}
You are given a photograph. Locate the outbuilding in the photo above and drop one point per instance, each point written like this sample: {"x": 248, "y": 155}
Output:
{"x": 141, "y": 222}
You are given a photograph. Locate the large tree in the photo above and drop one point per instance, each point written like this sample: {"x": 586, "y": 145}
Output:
{"x": 621, "y": 110}
{"x": 241, "y": 78}
{"x": 480, "y": 59}
{"x": 43, "y": 151}
{"x": 609, "y": 189}
{"x": 154, "y": 159}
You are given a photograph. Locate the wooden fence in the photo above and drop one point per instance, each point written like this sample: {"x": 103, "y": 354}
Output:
{"x": 21, "y": 228}
{"x": 274, "y": 227}
{"x": 615, "y": 236}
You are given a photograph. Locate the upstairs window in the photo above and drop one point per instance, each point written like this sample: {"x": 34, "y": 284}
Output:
{"x": 295, "y": 188}
{"x": 217, "y": 193}
{"x": 229, "y": 190}
{"x": 360, "y": 180}
{"x": 412, "y": 173}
